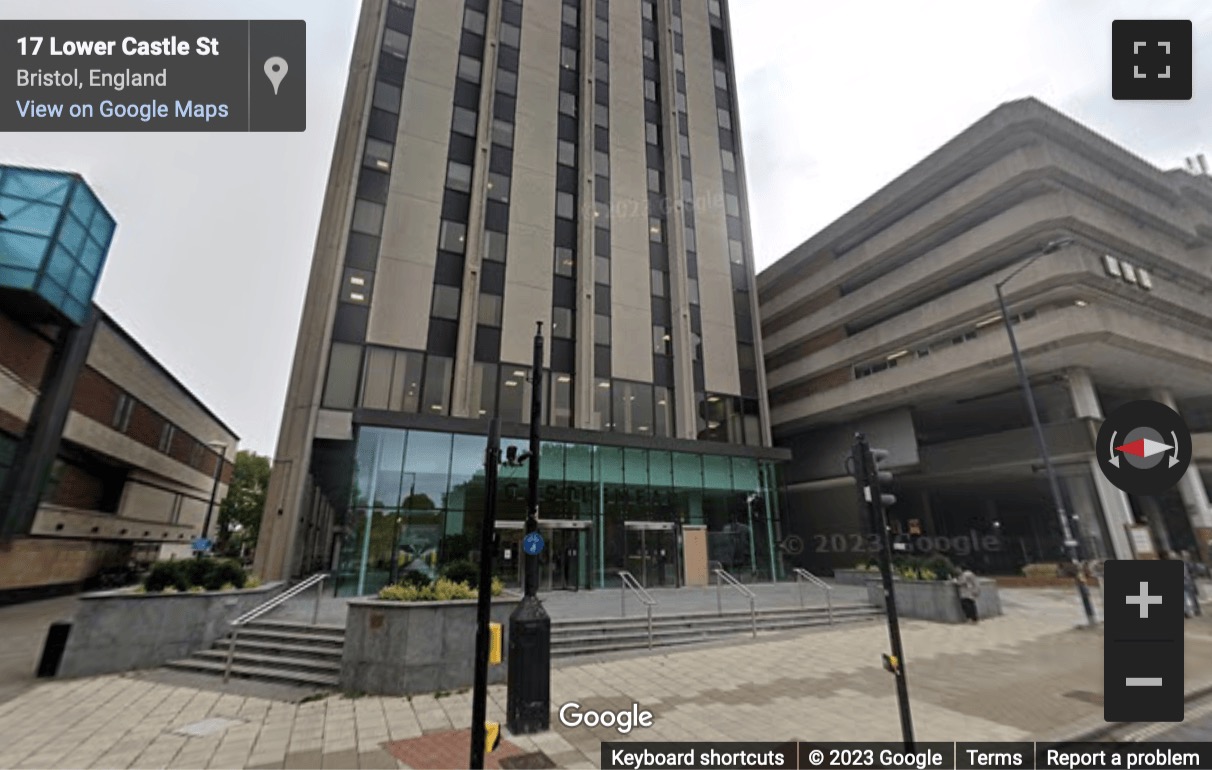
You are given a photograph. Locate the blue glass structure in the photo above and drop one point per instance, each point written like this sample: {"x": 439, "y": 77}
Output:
{"x": 54, "y": 239}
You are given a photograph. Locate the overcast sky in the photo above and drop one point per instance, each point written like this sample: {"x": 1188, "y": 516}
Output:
{"x": 215, "y": 231}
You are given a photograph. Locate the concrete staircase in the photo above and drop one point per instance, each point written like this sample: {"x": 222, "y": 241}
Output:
{"x": 599, "y": 635}
{"x": 276, "y": 651}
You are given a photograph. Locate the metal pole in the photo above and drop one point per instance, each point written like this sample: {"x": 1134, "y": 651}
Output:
{"x": 214, "y": 492}
{"x": 1072, "y": 544}
{"x": 868, "y": 478}
{"x": 479, "y": 698}
{"x": 528, "y": 700}
{"x": 752, "y": 544}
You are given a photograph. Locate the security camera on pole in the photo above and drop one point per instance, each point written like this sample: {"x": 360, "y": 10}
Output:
{"x": 528, "y": 699}
{"x": 872, "y": 480}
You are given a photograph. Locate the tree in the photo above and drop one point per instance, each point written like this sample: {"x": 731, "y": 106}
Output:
{"x": 240, "y": 512}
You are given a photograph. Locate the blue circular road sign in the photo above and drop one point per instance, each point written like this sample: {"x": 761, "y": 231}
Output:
{"x": 532, "y": 544}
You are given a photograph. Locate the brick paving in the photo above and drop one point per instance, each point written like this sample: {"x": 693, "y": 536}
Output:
{"x": 451, "y": 748}
{"x": 1028, "y": 675}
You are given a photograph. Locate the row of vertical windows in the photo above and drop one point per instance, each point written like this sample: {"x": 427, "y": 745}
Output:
{"x": 374, "y": 176}
{"x": 505, "y": 390}
{"x": 387, "y": 378}
{"x": 639, "y": 408}
{"x": 603, "y": 337}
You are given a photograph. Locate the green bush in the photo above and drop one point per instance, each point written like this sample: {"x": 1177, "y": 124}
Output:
{"x": 462, "y": 571}
{"x": 194, "y": 575}
{"x": 457, "y": 547}
{"x": 942, "y": 567}
{"x": 439, "y": 591}
{"x": 415, "y": 578}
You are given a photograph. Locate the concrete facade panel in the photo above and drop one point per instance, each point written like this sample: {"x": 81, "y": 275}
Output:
{"x": 523, "y": 306}
{"x": 433, "y": 54}
{"x": 399, "y": 312}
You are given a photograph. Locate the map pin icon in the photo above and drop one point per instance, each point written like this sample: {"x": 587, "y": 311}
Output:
{"x": 275, "y": 70}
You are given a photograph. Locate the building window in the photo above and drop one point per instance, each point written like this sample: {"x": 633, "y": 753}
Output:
{"x": 436, "y": 394}
{"x": 507, "y": 82}
{"x": 601, "y": 405}
{"x": 452, "y": 236}
{"x": 473, "y": 21}
{"x": 377, "y": 154}
{"x": 650, "y": 89}
{"x": 484, "y": 388}
{"x": 656, "y": 230}
{"x": 396, "y": 42}
{"x": 569, "y": 15}
{"x": 392, "y": 380}
{"x": 721, "y": 79}
{"x": 464, "y": 121}
{"x": 565, "y": 261}
{"x": 566, "y": 153}
{"x": 387, "y": 97}
{"x": 601, "y": 115}
{"x": 632, "y": 408}
{"x": 489, "y": 312}
{"x": 469, "y": 69}
{"x": 565, "y": 205}
{"x": 728, "y": 160}
{"x": 601, "y": 329}
{"x": 568, "y": 105}
{"x": 367, "y": 217}
{"x": 568, "y": 58}
{"x": 601, "y": 270}
{"x": 502, "y": 133}
{"x": 663, "y": 415}
{"x": 458, "y": 176}
{"x": 649, "y": 49}
{"x": 662, "y": 341}
{"x": 601, "y": 163}
{"x": 495, "y": 245}
{"x": 122, "y": 412}
{"x": 341, "y": 387}
{"x": 562, "y": 323}
{"x": 166, "y": 437}
{"x": 732, "y": 206}
{"x": 654, "y": 180}
{"x": 651, "y": 133}
{"x": 736, "y": 252}
{"x": 692, "y": 290}
{"x": 514, "y": 404}
{"x": 660, "y": 283}
{"x": 445, "y": 302}
{"x": 561, "y": 399}
{"x": 498, "y": 187}
{"x": 511, "y": 35}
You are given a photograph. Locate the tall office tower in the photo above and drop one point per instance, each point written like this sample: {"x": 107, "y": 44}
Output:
{"x": 500, "y": 163}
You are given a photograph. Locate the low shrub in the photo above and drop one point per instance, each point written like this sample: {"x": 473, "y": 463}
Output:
{"x": 462, "y": 571}
{"x": 415, "y": 578}
{"x": 441, "y": 590}
{"x": 1047, "y": 570}
{"x": 195, "y": 575}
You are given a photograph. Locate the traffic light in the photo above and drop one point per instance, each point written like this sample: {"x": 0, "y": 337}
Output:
{"x": 880, "y": 479}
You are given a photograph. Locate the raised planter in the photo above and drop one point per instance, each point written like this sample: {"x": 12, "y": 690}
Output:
{"x": 122, "y": 630}
{"x": 853, "y": 577}
{"x": 404, "y": 648}
{"x": 936, "y": 600}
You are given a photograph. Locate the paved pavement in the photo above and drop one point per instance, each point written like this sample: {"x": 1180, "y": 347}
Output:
{"x": 1024, "y": 676}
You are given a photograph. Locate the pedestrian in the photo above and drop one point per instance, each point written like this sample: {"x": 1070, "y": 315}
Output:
{"x": 969, "y": 590}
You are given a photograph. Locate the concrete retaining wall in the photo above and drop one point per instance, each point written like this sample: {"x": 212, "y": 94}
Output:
{"x": 853, "y": 577}
{"x": 403, "y": 648}
{"x": 119, "y": 630}
{"x": 936, "y": 600}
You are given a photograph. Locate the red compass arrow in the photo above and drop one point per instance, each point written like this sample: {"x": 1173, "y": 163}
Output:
{"x": 1143, "y": 447}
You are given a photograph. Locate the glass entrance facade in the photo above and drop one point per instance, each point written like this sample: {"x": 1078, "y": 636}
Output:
{"x": 417, "y": 500}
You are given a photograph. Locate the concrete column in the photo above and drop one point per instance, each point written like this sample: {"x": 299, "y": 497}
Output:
{"x": 1117, "y": 512}
{"x": 1157, "y": 524}
{"x": 927, "y": 514}
{"x": 1191, "y": 486}
{"x": 1085, "y": 398}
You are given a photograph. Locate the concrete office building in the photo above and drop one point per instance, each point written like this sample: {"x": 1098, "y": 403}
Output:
{"x": 132, "y": 472}
{"x": 887, "y": 321}
{"x": 497, "y": 165}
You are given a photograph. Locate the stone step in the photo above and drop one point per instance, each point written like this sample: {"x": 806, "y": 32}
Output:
{"x": 254, "y": 632}
{"x": 704, "y": 618}
{"x": 291, "y": 626}
{"x": 260, "y": 673}
{"x": 270, "y": 661}
{"x": 264, "y": 647}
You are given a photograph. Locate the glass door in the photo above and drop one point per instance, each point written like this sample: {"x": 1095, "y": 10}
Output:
{"x": 653, "y": 553}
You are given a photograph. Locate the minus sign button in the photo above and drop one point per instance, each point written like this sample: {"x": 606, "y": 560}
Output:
{"x": 1143, "y": 681}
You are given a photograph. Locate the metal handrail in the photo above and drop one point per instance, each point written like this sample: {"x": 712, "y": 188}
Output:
{"x": 722, "y": 576}
{"x": 801, "y": 575}
{"x": 628, "y": 582}
{"x": 256, "y": 612}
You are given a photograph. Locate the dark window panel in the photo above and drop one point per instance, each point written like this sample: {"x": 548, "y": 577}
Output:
{"x": 511, "y": 12}
{"x": 391, "y": 69}
{"x": 601, "y": 241}
{"x": 566, "y": 179}
{"x": 658, "y": 256}
{"x": 601, "y": 49}
{"x": 746, "y": 357}
{"x": 500, "y": 160}
{"x": 654, "y": 156}
{"x": 570, "y": 36}
{"x": 567, "y": 129}
{"x": 496, "y": 216}
{"x": 455, "y": 206}
{"x": 730, "y": 183}
{"x": 448, "y": 270}
{"x": 443, "y": 336}
{"x": 601, "y": 298}
{"x": 726, "y": 140}
{"x": 563, "y": 355}
{"x": 662, "y": 371}
{"x": 735, "y": 231}
{"x": 719, "y": 45}
{"x": 652, "y": 70}
{"x": 507, "y": 58}
{"x": 569, "y": 82}
{"x": 467, "y": 95}
{"x": 696, "y": 319}
{"x": 601, "y": 9}
{"x": 488, "y": 344}
{"x": 492, "y": 277}
{"x": 660, "y": 312}
{"x": 563, "y": 292}
{"x": 744, "y": 327}
{"x": 740, "y": 277}
{"x": 648, "y": 28}
{"x": 350, "y": 323}
{"x": 692, "y": 265}
{"x": 601, "y": 361}
{"x": 504, "y": 107}
{"x": 478, "y": 5}
{"x": 382, "y": 125}
{"x": 399, "y": 18}
{"x": 601, "y": 189}
{"x": 749, "y": 383}
{"x": 362, "y": 252}
{"x": 699, "y": 378}
{"x": 566, "y": 233}
{"x": 652, "y": 111}
{"x": 601, "y": 138}
{"x": 472, "y": 44}
{"x": 462, "y": 149}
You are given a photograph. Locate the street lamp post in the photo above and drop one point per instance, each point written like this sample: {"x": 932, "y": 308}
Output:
{"x": 214, "y": 489}
{"x": 1072, "y": 544}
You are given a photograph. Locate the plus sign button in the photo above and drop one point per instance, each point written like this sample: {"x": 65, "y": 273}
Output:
{"x": 1151, "y": 60}
{"x": 1143, "y": 641}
